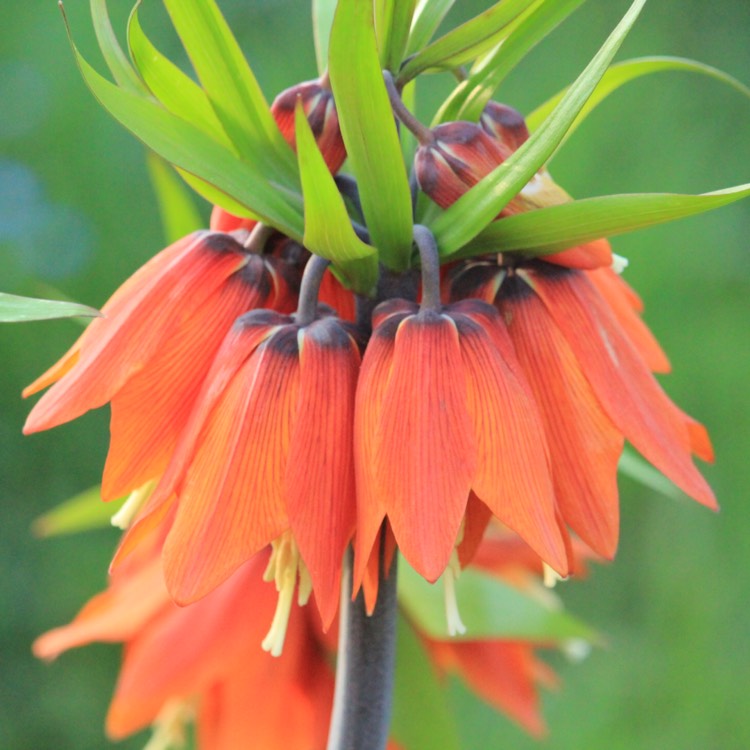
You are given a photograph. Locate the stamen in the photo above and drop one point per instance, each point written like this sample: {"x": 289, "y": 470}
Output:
{"x": 452, "y": 615}
{"x": 619, "y": 263}
{"x": 129, "y": 509}
{"x": 551, "y": 576}
{"x": 169, "y": 727}
{"x": 285, "y": 567}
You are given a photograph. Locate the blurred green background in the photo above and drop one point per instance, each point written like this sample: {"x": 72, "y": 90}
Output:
{"x": 77, "y": 214}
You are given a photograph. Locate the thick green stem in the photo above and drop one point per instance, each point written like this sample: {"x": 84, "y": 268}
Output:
{"x": 364, "y": 672}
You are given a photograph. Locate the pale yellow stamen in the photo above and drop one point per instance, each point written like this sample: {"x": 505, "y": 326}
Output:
{"x": 285, "y": 568}
{"x": 129, "y": 509}
{"x": 452, "y": 615}
{"x": 619, "y": 263}
{"x": 169, "y": 729}
{"x": 551, "y": 576}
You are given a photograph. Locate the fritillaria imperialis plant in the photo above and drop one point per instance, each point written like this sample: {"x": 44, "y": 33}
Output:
{"x": 395, "y": 340}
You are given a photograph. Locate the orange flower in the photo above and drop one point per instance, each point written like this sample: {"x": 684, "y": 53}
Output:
{"x": 586, "y": 358}
{"x": 441, "y": 411}
{"x": 205, "y": 660}
{"x": 266, "y": 453}
{"x": 150, "y": 351}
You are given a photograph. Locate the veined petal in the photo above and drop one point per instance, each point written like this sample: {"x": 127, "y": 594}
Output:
{"x": 231, "y": 501}
{"x": 140, "y": 319}
{"x": 320, "y": 490}
{"x": 116, "y": 614}
{"x": 373, "y": 380}
{"x": 476, "y": 520}
{"x": 584, "y": 444}
{"x": 513, "y": 470}
{"x": 425, "y": 453}
{"x": 152, "y": 408}
{"x": 333, "y": 293}
{"x": 627, "y": 391}
{"x": 613, "y": 289}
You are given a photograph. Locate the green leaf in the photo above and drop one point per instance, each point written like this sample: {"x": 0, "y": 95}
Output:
{"x": 15, "y": 309}
{"x": 428, "y": 15}
{"x": 231, "y": 87}
{"x": 474, "y": 210}
{"x": 116, "y": 59}
{"x": 322, "y": 16}
{"x": 630, "y": 70}
{"x": 81, "y": 513}
{"x": 422, "y": 717}
{"x": 179, "y": 215}
{"x": 465, "y": 42}
{"x": 328, "y": 228}
{"x": 489, "y": 609}
{"x": 470, "y": 97}
{"x": 637, "y": 468}
{"x": 175, "y": 90}
{"x": 555, "y": 228}
{"x": 369, "y": 131}
{"x": 392, "y": 24}
{"x": 189, "y": 148}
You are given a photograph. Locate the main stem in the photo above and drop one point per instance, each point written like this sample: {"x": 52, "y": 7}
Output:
{"x": 362, "y": 699}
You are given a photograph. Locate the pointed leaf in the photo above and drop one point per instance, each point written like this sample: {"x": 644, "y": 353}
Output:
{"x": 81, "y": 513}
{"x": 369, "y": 132}
{"x": 328, "y": 228}
{"x": 469, "y": 98}
{"x": 179, "y": 216}
{"x": 116, "y": 59}
{"x": 427, "y": 17}
{"x": 392, "y": 24}
{"x": 555, "y": 228}
{"x": 467, "y": 41}
{"x": 422, "y": 719}
{"x": 481, "y": 204}
{"x": 188, "y": 148}
{"x": 489, "y": 608}
{"x": 179, "y": 93}
{"x": 625, "y": 72}
{"x": 322, "y": 16}
{"x": 231, "y": 86}
{"x": 15, "y": 309}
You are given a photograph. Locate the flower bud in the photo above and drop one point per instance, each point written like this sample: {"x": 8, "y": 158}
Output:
{"x": 318, "y": 104}
{"x": 504, "y": 123}
{"x": 460, "y": 155}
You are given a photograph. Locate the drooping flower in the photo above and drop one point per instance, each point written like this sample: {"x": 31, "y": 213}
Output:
{"x": 442, "y": 413}
{"x": 265, "y": 457}
{"x": 590, "y": 377}
{"x": 150, "y": 351}
{"x": 204, "y": 662}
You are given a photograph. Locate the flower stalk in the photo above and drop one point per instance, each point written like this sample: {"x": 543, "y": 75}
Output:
{"x": 361, "y": 714}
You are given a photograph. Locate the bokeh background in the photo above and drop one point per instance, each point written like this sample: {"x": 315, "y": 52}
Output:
{"x": 77, "y": 214}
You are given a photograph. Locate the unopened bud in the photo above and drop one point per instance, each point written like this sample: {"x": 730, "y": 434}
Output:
{"x": 504, "y": 123}
{"x": 318, "y": 104}
{"x": 460, "y": 155}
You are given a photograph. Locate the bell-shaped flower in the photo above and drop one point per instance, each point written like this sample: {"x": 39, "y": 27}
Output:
{"x": 441, "y": 413}
{"x": 151, "y": 349}
{"x": 266, "y": 457}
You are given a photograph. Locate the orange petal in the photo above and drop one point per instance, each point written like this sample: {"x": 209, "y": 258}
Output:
{"x": 231, "y": 501}
{"x": 142, "y": 316}
{"x": 503, "y": 673}
{"x": 320, "y": 490}
{"x": 371, "y": 387}
{"x": 615, "y": 292}
{"x": 425, "y": 454}
{"x": 595, "y": 254}
{"x": 340, "y": 299}
{"x": 477, "y": 518}
{"x": 584, "y": 445}
{"x": 626, "y": 389}
{"x": 152, "y": 408}
{"x": 513, "y": 471}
